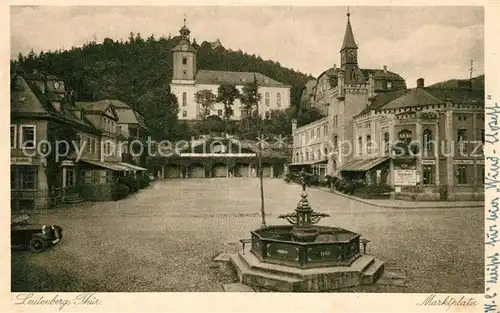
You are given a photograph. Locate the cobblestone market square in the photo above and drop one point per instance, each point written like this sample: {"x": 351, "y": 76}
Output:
{"x": 165, "y": 238}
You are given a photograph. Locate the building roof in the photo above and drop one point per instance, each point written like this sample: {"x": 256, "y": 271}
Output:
{"x": 423, "y": 96}
{"x": 381, "y": 74}
{"x": 458, "y": 95}
{"x": 27, "y": 98}
{"x": 413, "y": 97}
{"x": 235, "y": 78}
{"x": 349, "y": 36}
{"x": 382, "y": 99}
{"x": 93, "y": 106}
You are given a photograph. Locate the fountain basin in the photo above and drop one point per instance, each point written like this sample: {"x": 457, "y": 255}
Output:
{"x": 331, "y": 247}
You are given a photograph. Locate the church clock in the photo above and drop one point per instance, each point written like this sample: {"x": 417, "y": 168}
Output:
{"x": 351, "y": 56}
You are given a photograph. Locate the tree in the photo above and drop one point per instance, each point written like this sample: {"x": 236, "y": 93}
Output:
{"x": 250, "y": 99}
{"x": 206, "y": 99}
{"x": 160, "y": 109}
{"x": 226, "y": 94}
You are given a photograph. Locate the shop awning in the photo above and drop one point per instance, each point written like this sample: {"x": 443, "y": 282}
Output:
{"x": 133, "y": 167}
{"x": 109, "y": 165}
{"x": 362, "y": 165}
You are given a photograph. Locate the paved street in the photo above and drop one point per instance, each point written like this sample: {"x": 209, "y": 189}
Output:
{"x": 165, "y": 237}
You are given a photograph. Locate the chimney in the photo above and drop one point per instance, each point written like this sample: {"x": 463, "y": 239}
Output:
{"x": 334, "y": 66}
{"x": 385, "y": 68}
{"x": 420, "y": 83}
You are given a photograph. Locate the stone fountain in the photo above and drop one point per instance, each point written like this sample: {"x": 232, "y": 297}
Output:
{"x": 305, "y": 257}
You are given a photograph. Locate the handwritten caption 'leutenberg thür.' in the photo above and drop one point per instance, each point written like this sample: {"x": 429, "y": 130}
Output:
{"x": 492, "y": 181}
{"x": 61, "y": 302}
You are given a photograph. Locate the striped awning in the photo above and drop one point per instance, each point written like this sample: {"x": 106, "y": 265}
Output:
{"x": 362, "y": 165}
{"x": 133, "y": 167}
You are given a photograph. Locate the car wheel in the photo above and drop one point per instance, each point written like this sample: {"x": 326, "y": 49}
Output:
{"x": 37, "y": 244}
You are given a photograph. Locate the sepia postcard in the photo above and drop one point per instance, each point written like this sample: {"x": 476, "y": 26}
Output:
{"x": 328, "y": 157}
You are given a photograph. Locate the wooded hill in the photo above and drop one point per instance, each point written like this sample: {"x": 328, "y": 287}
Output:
{"x": 138, "y": 72}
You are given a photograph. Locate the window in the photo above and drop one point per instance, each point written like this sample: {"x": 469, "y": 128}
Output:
{"x": 219, "y": 112}
{"x": 335, "y": 143}
{"x": 481, "y": 175}
{"x": 70, "y": 177}
{"x": 23, "y": 177}
{"x": 427, "y": 175}
{"x": 312, "y": 134}
{"x": 184, "y": 113}
{"x": 389, "y": 85}
{"x": 386, "y": 143}
{"x": 88, "y": 147}
{"x": 368, "y": 144}
{"x": 278, "y": 100}
{"x": 307, "y": 156}
{"x": 325, "y": 151}
{"x": 360, "y": 145}
{"x": 184, "y": 99}
{"x": 462, "y": 174}
{"x": 302, "y": 156}
{"x": 184, "y": 72}
{"x": 461, "y": 135}
{"x": 268, "y": 98}
{"x": 405, "y": 136}
{"x": 184, "y": 61}
{"x": 325, "y": 130}
{"x": 427, "y": 140}
{"x": 13, "y": 139}
{"x": 317, "y": 132}
{"x": 28, "y": 136}
{"x": 297, "y": 157}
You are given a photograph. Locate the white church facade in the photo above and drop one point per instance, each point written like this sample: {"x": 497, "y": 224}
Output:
{"x": 187, "y": 81}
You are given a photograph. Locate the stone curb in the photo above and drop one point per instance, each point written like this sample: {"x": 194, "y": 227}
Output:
{"x": 397, "y": 207}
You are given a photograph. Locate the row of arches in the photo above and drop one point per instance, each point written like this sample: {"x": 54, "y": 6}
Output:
{"x": 216, "y": 170}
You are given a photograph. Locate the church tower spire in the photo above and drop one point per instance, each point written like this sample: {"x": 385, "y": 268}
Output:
{"x": 349, "y": 42}
{"x": 349, "y": 54}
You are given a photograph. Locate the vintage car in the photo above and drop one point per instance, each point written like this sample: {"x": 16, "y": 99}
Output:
{"x": 35, "y": 237}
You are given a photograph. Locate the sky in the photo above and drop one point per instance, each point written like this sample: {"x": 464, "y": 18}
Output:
{"x": 435, "y": 43}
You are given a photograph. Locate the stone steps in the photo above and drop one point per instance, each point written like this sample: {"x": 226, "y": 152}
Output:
{"x": 364, "y": 270}
{"x": 73, "y": 198}
{"x": 372, "y": 272}
{"x": 255, "y": 277}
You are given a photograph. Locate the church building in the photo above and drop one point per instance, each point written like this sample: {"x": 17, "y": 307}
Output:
{"x": 187, "y": 81}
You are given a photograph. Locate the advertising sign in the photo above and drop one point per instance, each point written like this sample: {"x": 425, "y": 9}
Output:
{"x": 405, "y": 177}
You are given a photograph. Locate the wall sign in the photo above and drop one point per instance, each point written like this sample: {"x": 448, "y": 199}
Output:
{"x": 21, "y": 161}
{"x": 428, "y": 162}
{"x": 405, "y": 177}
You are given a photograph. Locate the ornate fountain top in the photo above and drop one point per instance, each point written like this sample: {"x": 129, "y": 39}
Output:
{"x": 304, "y": 215}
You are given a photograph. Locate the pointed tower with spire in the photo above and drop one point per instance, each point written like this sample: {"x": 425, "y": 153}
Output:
{"x": 184, "y": 54}
{"x": 349, "y": 55}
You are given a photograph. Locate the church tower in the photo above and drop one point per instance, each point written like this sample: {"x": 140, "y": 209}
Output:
{"x": 349, "y": 56}
{"x": 184, "y": 55}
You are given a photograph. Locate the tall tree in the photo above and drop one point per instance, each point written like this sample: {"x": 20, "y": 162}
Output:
{"x": 206, "y": 100}
{"x": 160, "y": 109}
{"x": 227, "y": 94}
{"x": 250, "y": 99}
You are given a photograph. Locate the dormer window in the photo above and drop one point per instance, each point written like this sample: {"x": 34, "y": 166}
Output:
{"x": 184, "y": 61}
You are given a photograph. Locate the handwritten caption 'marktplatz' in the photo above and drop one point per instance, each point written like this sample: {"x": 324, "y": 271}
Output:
{"x": 30, "y": 299}
{"x": 491, "y": 185}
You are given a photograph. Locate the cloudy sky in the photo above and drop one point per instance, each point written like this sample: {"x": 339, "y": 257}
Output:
{"x": 436, "y": 43}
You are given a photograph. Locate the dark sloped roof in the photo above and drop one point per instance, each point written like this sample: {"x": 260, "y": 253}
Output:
{"x": 190, "y": 48}
{"x": 458, "y": 95}
{"x": 414, "y": 97}
{"x": 381, "y": 74}
{"x": 235, "y": 78}
{"x": 27, "y": 98}
{"x": 382, "y": 99}
{"x": 126, "y": 116}
{"x": 98, "y": 106}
